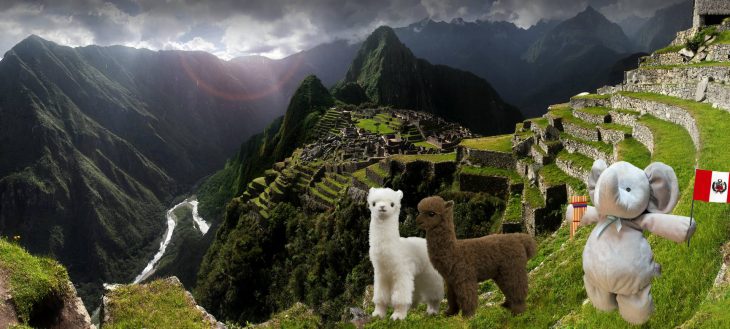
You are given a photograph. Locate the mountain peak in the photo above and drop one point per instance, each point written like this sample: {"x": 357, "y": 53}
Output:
{"x": 590, "y": 13}
{"x": 383, "y": 34}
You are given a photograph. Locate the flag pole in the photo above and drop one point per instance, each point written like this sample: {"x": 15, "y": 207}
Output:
{"x": 692, "y": 207}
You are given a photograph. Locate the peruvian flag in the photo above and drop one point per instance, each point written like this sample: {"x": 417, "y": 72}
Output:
{"x": 711, "y": 186}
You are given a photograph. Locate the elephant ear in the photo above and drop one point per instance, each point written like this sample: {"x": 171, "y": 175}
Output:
{"x": 663, "y": 187}
{"x": 598, "y": 167}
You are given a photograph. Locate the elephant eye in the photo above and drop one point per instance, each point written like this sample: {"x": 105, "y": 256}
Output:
{"x": 392, "y": 204}
{"x": 628, "y": 189}
{"x": 431, "y": 213}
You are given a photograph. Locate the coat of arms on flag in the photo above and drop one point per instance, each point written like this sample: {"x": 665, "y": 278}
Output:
{"x": 711, "y": 186}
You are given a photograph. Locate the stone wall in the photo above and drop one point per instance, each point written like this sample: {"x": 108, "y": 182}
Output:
{"x": 625, "y": 119}
{"x": 572, "y": 169}
{"x": 685, "y": 74}
{"x": 494, "y": 185}
{"x": 521, "y": 147}
{"x": 578, "y": 103}
{"x": 662, "y": 111}
{"x": 574, "y": 146}
{"x": 582, "y": 132}
{"x": 611, "y": 136}
{"x": 486, "y": 158}
{"x": 592, "y": 118}
{"x": 671, "y": 58}
{"x": 644, "y": 136}
{"x": 709, "y": 7}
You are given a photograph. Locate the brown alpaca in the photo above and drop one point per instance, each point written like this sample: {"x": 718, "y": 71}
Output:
{"x": 465, "y": 263}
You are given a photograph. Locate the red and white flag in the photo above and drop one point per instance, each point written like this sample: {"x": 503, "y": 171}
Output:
{"x": 711, "y": 186}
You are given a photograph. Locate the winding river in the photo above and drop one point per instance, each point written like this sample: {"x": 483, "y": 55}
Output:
{"x": 198, "y": 223}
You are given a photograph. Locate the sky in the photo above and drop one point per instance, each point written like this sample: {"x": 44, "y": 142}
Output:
{"x": 272, "y": 28}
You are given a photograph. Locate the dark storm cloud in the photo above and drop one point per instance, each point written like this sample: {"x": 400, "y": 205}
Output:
{"x": 275, "y": 28}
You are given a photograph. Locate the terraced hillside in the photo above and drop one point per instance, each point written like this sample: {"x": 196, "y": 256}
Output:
{"x": 521, "y": 182}
{"x": 672, "y": 109}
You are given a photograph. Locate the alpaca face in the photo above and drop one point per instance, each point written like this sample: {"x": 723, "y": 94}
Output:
{"x": 430, "y": 212}
{"x": 384, "y": 203}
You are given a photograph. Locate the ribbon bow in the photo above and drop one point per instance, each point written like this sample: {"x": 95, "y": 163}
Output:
{"x": 609, "y": 220}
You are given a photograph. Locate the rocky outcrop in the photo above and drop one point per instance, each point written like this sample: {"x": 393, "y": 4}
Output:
{"x": 107, "y": 313}
{"x": 65, "y": 311}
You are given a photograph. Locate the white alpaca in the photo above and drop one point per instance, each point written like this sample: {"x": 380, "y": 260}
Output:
{"x": 403, "y": 273}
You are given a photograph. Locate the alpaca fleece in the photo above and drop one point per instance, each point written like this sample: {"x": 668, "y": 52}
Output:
{"x": 465, "y": 263}
{"x": 403, "y": 273}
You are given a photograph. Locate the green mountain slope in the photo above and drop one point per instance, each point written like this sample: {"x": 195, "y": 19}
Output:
{"x": 95, "y": 141}
{"x": 389, "y": 74}
{"x": 319, "y": 258}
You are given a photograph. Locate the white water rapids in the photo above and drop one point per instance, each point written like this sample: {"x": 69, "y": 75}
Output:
{"x": 199, "y": 223}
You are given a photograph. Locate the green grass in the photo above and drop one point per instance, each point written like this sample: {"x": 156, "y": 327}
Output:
{"x": 669, "y": 49}
{"x": 676, "y": 297}
{"x": 540, "y": 122}
{"x": 502, "y": 143}
{"x": 513, "y": 209}
{"x": 158, "y": 304}
{"x": 630, "y": 150}
{"x": 617, "y": 127}
{"x": 533, "y": 197}
{"x": 603, "y": 147}
{"x": 625, "y": 111}
{"x": 426, "y": 145}
{"x": 722, "y": 38}
{"x": 296, "y": 317}
{"x": 374, "y": 126}
{"x": 513, "y": 176}
{"x": 32, "y": 278}
{"x": 435, "y": 158}
{"x": 552, "y": 176}
{"x": 698, "y": 64}
{"x": 581, "y": 161}
{"x": 595, "y": 110}
{"x": 362, "y": 177}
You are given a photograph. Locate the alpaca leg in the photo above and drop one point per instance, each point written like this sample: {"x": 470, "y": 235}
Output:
{"x": 451, "y": 300}
{"x": 402, "y": 296}
{"x": 514, "y": 287}
{"x": 636, "y": 308}
{"x": 433, "y": 307}
{"x": 381, "y": 295}
{"x": 602, "y": 300}
{"x": 466, "y": 297}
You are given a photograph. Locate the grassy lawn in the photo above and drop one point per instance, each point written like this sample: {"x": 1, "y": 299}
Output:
{"x": 669, "y": 49}
{"x": 581, "y": 161}
{"x": 533, "y": 197}
{"x": 552, "y": 175}
{"x": 426, "y": 145}
{"x": 158, "y": 304}
{"x": 31, "y": 278}
{"x": 502, "y": 143}
{"x": 595, "y": 110}
{"x": 676, "y": 297}
{"x": 435, "y": 158}
{"x": 618, "y": 127}
{"x": 722, "y": 37}
{"x": 374, "y": 126}
{"x": 603, "y": 147}
{"x": 698, "y": 64}
{"x": 513, "y": 210}
{"x": 630, "y": 150}
{"x": 540, "y": 122}
{"x": 513, "y": 176}
{"x": 362, "y": 177}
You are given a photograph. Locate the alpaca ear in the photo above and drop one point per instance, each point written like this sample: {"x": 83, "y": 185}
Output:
{"x": 663, "y": 188}
{"x": 449, "y": 204}
{"x": 400, "y": 195}
{"x": 598, "y": 167}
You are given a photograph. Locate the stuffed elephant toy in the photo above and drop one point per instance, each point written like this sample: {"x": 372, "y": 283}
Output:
{"x": 617, "y": 259}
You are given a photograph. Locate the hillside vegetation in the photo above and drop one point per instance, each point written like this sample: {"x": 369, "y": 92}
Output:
{"x": 546, "y": 160}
